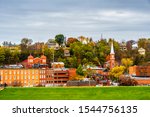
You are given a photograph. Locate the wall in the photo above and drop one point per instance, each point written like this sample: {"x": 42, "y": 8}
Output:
{"x": 20, "y": 77}
{"x": 139, "y": 70}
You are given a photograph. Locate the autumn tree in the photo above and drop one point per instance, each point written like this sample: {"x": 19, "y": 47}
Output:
{"x": 127, "y": 62}
{"x": 116, "y": 72}
{"x": 71, "y": 40}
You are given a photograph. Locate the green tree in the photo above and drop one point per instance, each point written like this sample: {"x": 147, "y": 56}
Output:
{"x": 143, "y": 42}
{"x": 77, "y": 50}
{"x": 7, "y": 56}
{"x": 48, "y": 52}
{"x": 80, "y": 70}
{"x": 59, "y": 39}
{"x": 2, "y": 56}
{"x": 72, "y": 62}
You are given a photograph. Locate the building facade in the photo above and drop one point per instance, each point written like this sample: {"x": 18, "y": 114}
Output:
{"x": 20, "y": 77}
{"x": 139, "y": 71}
{"x": 141, "y": 51}
{"x": 35, "y": 77}
{"x": 38, "y": 60}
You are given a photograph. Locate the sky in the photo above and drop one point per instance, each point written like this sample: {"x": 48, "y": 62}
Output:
{"x": 41, "y": 20}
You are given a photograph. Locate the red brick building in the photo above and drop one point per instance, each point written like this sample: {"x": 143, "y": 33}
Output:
{"x": 140, "y": 71}
{"x": 56, "y": 77}
{"x": 141, "y": 74}
{"x": 38, "y": 60}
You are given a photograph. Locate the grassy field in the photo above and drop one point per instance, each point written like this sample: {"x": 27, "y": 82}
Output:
{"x": 82, "y": 93}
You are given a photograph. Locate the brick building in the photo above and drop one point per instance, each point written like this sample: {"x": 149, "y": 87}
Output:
{"x": 56, "y": 77}
{"x": 141, "y": 74}
{"x": 20, "y": 77}
{"x": 38, "y": 60}
{"x": 139, "y": 71}
{"x": 35, "y": 77}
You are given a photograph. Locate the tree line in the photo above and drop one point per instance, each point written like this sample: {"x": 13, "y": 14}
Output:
{"x": 90, "y": 53}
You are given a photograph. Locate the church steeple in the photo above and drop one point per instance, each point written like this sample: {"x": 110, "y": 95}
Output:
{"x": 112, "y": 57}
{"x": 112, "y": 49}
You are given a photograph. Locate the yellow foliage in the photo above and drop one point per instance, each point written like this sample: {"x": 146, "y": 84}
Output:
{"x": 117, "y": 71}
{"x": 77, "y": 77}
{"x": 127, "y": 62}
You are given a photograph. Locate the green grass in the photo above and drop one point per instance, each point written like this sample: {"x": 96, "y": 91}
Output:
{"x": 81, "y": 93}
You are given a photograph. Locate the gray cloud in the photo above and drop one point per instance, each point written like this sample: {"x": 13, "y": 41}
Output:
{"x": 43, "y": 19}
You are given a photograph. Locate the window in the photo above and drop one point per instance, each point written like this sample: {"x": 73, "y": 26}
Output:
{"x": 6, "y": 72}
{"x": 36, "y": 72}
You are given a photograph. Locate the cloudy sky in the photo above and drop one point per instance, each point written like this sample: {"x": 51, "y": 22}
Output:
{"x": 43, "y": 19}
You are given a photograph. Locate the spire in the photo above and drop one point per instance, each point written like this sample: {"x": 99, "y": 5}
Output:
{"x": 112, "y": 49}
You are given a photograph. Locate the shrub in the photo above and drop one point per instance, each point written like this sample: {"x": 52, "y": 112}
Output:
{"x": 127, "y": 81}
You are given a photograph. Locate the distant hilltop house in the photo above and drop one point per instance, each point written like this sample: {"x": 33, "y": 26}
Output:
{"x": 123, "y": 46}
{"x": 84, "y": 40}
{"x": 66, "y": 52}
{"x": 58, "y": 65}
{"x": 141, "y": 51}
{"x": 51, "y": 43}
{"x": 134, "y": 46}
